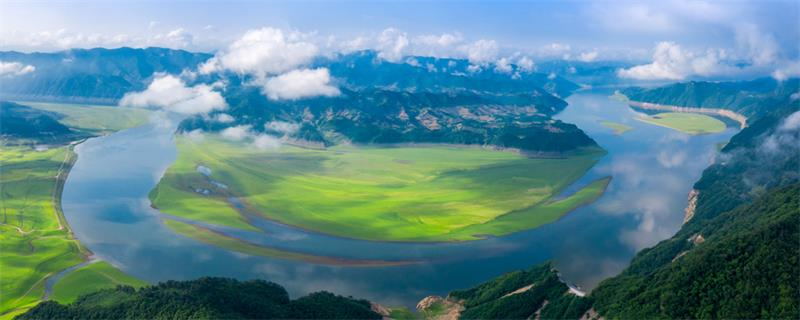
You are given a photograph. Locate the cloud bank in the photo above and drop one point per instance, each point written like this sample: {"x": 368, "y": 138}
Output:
{"x": 15, "y": 68}
{"x": 263, "y": 52}
{"x": 170, "y": 93}
{"x": 257, "y": 140}
{"x": 274, "y": 59}
{"x": 297, "y": 84}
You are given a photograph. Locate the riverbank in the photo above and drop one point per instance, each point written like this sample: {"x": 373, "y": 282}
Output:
{"x": 394, "y": 194}
{"x": 742, "y": 120}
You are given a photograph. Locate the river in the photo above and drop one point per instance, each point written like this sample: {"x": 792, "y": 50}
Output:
{"x": 653, "y": 168}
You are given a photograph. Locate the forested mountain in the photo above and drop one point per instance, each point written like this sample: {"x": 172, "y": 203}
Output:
{"x": 505, "y": 120}
{"x": 364, "y": 69}
{"x": 749, "y": 98}
{"x": 420, "y": 100}
{"x": 521, "y": 295}
{"x": 738, "y": 255}
{"x": 22, "y": 122}
{"x": 92, "y": 75}
{"x": 205, "y": 298}
{"x": 105, "y": 75}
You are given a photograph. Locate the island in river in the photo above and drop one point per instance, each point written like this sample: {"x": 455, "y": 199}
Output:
{"x": 378, "y": 193}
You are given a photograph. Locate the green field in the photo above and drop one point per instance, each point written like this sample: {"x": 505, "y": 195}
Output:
{"x": 691, "y": 123}
{"x": 95, "y": 119}
{"x": 375, "y": 193}
{"x": 35, "y": 241}
{"x": 617, "y": 127}
{"x": 220, "y": 240}
{"x": 90, "y": 278}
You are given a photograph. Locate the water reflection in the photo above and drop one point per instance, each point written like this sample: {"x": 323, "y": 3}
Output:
{"x": 653, "y": 168}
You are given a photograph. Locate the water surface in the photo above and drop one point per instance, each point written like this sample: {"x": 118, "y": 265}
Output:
{"x": 653, "y": 169}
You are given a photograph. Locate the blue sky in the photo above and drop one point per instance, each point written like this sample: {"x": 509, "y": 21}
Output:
{"x": 735, "y": 31}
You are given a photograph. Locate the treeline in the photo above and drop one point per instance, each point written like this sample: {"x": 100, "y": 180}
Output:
{"x": 205, "y": 298}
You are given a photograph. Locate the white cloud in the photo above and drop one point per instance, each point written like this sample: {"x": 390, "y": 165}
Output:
{"x": 445, "y": 40}
{"x": 481, "y": 51}
{"x": 266, "y": 142}
{"x": 298, "y": 84}
{"x": 237, "y": 133}
{"x": 786, "y": 71}
{"x": 282, "y": 127}
{"x": 171, "y": 93}
{"x": 445, "y": 45}
{"x": 526, "y": 64}
{"x": 259, "y": 141}
{"x": 503, "y": 65}
{"x": 223, "y": 118}
{"x": 177, "y": 38}
{"x": 588, "y": 56}
{"x": 392, "y": 45}
{"x": 15, "y": 68}
{"x": 760, "y": 48}
{"x": 791, "y": 123}
{"x": 672, "y": 62}
{"x": 263, "y": 52}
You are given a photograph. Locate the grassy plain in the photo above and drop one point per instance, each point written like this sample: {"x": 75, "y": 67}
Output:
{"x": 375, "y": 193}
{"x": 690, "y": 123}
{"x": 617, "y": 127}
{"x": 95, "y": 119}
{"x": 35, "y": 240}
{"x": 90, "y": 278}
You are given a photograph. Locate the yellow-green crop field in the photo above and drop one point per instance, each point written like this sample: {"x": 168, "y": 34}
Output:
{"x": 439, "y": 193}
{"x": 690, "y": 123}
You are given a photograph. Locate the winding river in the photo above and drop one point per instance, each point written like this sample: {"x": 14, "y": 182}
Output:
{"x": 653, "y": 168}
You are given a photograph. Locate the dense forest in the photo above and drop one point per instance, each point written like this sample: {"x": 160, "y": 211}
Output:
{"x": 750, "y": 98}
{"x": 205, "y": 298}
{"x": 738, "y": 256}
{"x": 520, "y": 295}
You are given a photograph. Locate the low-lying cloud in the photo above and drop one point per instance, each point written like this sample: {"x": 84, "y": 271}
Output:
{"x": 258, "y": 140}
{"x": 283, "y": 127}
{"x": 15, "y": 68}
{"x": 672, "y": 62}
{"x": 170, "y": 93}
{"x": 297, "y": 84}
{"x": 237, "y": 133}
{"x": 263, "y": 52}
{"x": 274, "y": 59}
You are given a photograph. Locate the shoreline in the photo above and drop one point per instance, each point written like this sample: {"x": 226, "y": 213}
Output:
{"x": 741, "y": 119}
{"x": 61, "y": 180}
